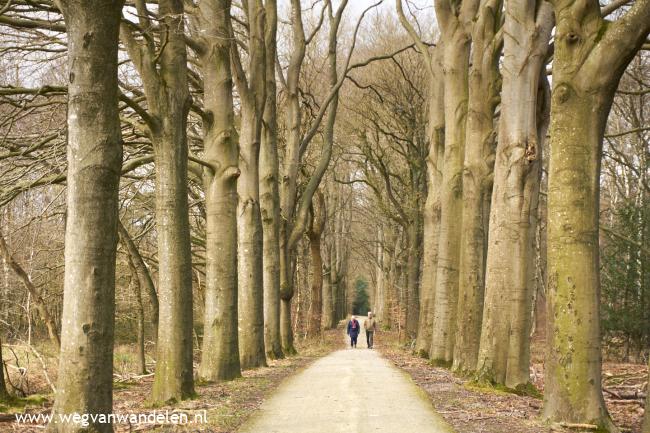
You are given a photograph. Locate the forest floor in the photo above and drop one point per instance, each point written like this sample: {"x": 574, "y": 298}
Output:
{"x": 227, "y": 405}
{"x": 470, "y": 409}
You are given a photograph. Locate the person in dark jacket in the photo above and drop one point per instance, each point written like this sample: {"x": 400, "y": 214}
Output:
{"x": 353, "y": 331}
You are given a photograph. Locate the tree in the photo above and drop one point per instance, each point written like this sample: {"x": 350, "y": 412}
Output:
{"x": 85, "y": 380}
{"x": 589, "y": 58}
{"x": 455, "y": 27}
{"x": 478, "y": 167}
{"x": 317, "y": 225}
{"x": 164, "y": 75}
{"x": 252, "y": 92}
{"x": 504, "y": 356}
{"x": 270, "y": 193}
{"x": 646, "y": 419}
{"x": 220, "y": 354}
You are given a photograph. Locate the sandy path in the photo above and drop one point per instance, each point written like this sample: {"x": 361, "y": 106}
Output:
{"x": 352, "y": 391}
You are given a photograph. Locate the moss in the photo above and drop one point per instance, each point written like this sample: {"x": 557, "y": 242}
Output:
{"x": 440, "y": 363}
{"x": 16, "y": 404}
{"x": 122, "y": 385}
{"x": 422, "y": 353}
{"x": 527, "y": 390}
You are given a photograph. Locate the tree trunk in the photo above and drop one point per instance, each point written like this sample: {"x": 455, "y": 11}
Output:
{"x": 456, "y": 49}
{"x": 590, "y": 56}
{"x": 414, "y": 234}
{"x": 143, "y": 274}
{"x": 646, "y": 418}
{"x": 327, "y": 319}
{"x": 270, "y": 196}
{"x": 220, "y": 354}
{"x": 431, "y": 216}
{"x": 174, "y": 365}
{"x": 315, "y": 232}
{"x": 504, "y": 351}
{"x": 252, "y": 90}
{"x": 85, "y": 376}
{"x": 477, "y": 182}
{"x": 250, "y": 244}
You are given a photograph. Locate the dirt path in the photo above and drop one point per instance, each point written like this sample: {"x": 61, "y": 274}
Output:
{"x": 351, "y": 391}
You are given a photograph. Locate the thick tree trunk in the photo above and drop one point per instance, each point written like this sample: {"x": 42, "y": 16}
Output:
{"x": 220, "y": 354}
{"x": 252, "y": 90}
{"x": 250, "y": 244}
{"x": 85, "y": 377}
{"x": 645, "y": 428}
{"x": 270, "y": 196}
{"x": 477, "y": 182}
{"x": 174, "y": 369}
{"x": 144, "y": 276}
{"x": 504, "y": 352}
{"x": 573, "y": 389}
{"x": 431, "y": 216}
{"x": 456, "y": 49}
{"x": 590, "y": 57}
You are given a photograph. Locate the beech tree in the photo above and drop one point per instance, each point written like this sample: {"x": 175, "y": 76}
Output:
{"x": 252, "y": 93}
{"x": 270, "y": 192}
{"x": 589, "y": 59}
{"x": 85, "y": 379}
{"x": 504, "y": 346}
{"x": 162, "y": 67}
{"x": 478, "y": 170}
{"x": 455, "y": 36}
{"x": 220, "y": 354}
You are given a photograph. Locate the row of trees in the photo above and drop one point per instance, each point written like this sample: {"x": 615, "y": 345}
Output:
{"x": 192, "y": 113}
{"x": 509, "y": 219}
{"x": 252, "y": 167}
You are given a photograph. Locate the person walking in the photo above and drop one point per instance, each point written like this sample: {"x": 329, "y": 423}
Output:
{"x": 353, "y": 331}
{"x": 370, "y": 325}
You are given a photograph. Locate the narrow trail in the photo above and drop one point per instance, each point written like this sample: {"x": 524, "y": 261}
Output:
{"x": 351, "y": 391}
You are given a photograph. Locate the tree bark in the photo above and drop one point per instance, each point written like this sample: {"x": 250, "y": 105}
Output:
{"x": 590, "y": 56}
{"x": 270, "y": 195}
{"x": 163, "y": 72}
{"x": 431, "y": 215}
{"x": 220, "y": 354}
{"x": 414, "y": 234}
{"x": 249, "y": 219}
{"x": 85, "y": 376}
{"x": 455, "y": 59}
{"x": 477, "y": 181}
{"x": 327, "y": 317}
{"x": 645, "y": 428}
{"x": 504, "y": 351}
{"x": 315, "y": 232}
